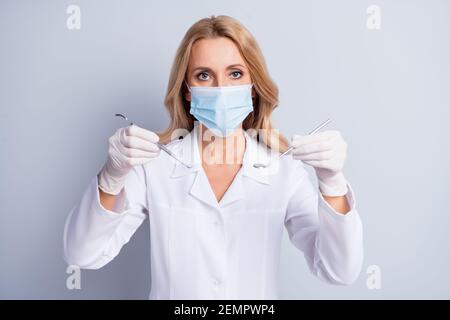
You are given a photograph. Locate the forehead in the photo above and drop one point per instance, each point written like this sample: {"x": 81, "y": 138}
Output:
{"x": 214, "y": 53}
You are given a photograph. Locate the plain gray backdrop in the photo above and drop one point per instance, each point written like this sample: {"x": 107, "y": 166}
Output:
{"x": 386, "y": 90}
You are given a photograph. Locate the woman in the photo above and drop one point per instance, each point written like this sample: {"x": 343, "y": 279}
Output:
{"x": 216, "y": 221}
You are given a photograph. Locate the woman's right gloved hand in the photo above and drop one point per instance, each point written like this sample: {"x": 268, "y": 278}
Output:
{"x": 128, "y": 147}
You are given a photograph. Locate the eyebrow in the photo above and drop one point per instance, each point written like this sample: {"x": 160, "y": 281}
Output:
{"x": 232, "y": 66}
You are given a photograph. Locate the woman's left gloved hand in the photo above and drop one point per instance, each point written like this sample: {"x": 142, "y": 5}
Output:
{"x": 325, "y": 151}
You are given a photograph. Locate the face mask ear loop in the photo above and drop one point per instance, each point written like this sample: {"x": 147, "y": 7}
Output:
{"x": 189, "y": 88}
{"x": 252, "y": 86}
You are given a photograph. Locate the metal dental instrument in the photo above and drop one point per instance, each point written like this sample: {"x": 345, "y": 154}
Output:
{"x": 160, "y": 145}
{"x": 261, "y": 165}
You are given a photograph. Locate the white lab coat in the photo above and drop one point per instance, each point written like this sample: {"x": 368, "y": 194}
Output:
{"x": 202, "y": 249}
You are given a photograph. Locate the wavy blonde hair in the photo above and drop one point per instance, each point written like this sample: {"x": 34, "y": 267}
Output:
{"x": 266, "y": 97}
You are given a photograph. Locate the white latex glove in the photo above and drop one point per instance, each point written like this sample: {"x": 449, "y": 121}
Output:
{"x": 128, "y": 147}
{"x": 326, "y": 151}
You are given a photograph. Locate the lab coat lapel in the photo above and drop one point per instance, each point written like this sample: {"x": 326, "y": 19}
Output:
{"x": 201, "y": 188}
{"x": 234, "y": 193}
{"x": 255, "y": 152}
{"x": 189, "y": 153}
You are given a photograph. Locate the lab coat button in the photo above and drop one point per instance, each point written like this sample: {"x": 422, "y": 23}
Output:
{"x": 216, "y": 282}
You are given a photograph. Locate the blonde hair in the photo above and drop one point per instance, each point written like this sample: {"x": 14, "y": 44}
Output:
{"x": 265, "y": 100}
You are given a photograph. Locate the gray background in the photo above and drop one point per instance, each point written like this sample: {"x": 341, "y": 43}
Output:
{"x": 387, "y": 92}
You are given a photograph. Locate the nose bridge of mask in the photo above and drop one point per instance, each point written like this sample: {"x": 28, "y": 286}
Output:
{"x": 222, "y": 87}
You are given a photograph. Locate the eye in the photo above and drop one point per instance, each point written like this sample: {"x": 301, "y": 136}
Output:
{"x": 203, "y": 76}
{"x": 236, "y": 74}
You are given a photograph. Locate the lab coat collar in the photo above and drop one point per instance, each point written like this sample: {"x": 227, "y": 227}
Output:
{"x": 188, "y": 151}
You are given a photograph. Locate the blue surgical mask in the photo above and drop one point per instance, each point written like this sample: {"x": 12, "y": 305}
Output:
{"x": 221, "y": 109}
